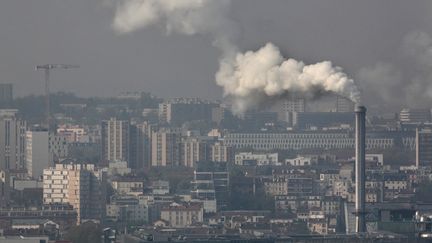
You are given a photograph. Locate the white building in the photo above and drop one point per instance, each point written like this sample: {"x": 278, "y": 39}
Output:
{"x": 183, "y": 215}
{"x": 246, "y": 158}
{"x": 301, "y": 161}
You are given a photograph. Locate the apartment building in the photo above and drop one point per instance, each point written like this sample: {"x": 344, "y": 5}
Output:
{"x": 115, "y": 140}
{"x": 80, "y": 185}
{"x": 165, "y": 147}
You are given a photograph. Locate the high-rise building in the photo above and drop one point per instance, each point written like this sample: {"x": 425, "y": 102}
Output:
{"x": 194, "y": 150}
{"x": 43, "y": 149}
{"x": 38, "y": 156}
{"x": 180, "y": 110}
{"x": 80, "y": 185}
{"x": 6, "y": 94}
{"x": 166, "y": 147}
{"x": 140, "y": 145}
{"x": 58, "y": 147}
{"x": 115, "y": 140}
{"x": 12, "y": 140}
{"x": 289, "y": 107}
{"x": 423, "y": 147}
{"x": 344, "y": 104}
{"x": 415, "y": 115}
{"x": 221, "y": 153}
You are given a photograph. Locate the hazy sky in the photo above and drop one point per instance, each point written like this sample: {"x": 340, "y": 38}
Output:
{"x": 353, "y": 34}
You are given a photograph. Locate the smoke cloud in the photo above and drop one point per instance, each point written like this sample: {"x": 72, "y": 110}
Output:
{"x": 187, "y": 17}
{"x": 404, "y": 82}
{"x": 249, "y": 79}
{"x": 254, "y": 77}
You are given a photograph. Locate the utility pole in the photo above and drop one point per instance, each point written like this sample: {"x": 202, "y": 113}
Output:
{"x": 47, "y": 69}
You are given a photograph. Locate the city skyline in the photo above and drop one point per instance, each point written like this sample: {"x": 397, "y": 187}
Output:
{"x": 258, "y": 121}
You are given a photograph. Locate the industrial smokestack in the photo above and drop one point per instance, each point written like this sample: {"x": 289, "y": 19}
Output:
{"x": 360, "y": 164}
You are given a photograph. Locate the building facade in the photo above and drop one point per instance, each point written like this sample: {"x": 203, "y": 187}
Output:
{"x": 38, "y": 155}
{"x": 140, "y": 145}
{"x": 415, "y": 115}
{"x": 211, "y": 186}
{"x": 127, "y": 209}
{"x": 183, "y": 215}
{"x": 80, "y": 185}
{"x": 12, "y": 140}
{"x": 306, "y": 140}
{"x": 344, "y": 104}
{"x": 73, "y": 134}
{"x": 221, "y": 153}
{"x": 423, "y": 147}
{"x": 194, "y": 150}
{"x": 58, "y": 147}
{"x": 179, "y": 110}
{"x": 165, "y": 148}
{"x": 289, "y": 107}
{"x": 115, "y": 140}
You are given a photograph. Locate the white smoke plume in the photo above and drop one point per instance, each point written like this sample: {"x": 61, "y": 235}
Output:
{"x": 405, "y": 81}
{"x": 254, "y": 77}
{"x": 250, "y": 79}
{"x": 187, "y": 17}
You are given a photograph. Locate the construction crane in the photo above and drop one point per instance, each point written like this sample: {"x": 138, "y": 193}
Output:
{"x": 47, "y": 69}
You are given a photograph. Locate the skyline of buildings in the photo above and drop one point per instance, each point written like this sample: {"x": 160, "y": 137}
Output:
{"x": 124, "y": 166}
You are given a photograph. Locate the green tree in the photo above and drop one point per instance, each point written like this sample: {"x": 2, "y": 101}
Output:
{"x": 88, "y": 232}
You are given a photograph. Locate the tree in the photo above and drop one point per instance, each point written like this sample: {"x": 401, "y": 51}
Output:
{"x": 88, "y": 232}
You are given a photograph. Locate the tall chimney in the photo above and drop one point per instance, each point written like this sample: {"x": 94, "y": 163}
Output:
{"x": 360, "y": 145}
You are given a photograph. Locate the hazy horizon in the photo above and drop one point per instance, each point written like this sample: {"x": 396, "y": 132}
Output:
{"x": 366, "y": 38}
